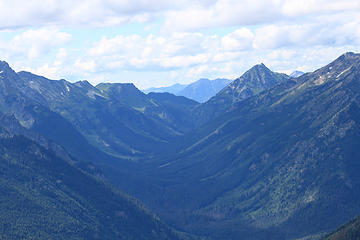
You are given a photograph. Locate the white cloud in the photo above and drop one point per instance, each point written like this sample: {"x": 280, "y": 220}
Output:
{"x": 50, "y": 72}
{"x": 180, "y": 15}
{"x": 88, "y": 13}
{"x": 238, "y": 40}
{"x": 248, "y": 12}
{"x": 61, "y": 56}
{"x": 177, "y": 46}
{"x": 322, "y": 33}
{"x": 299, "y": 8}
{"x": 118, "y": 44}
{"x": 85, "y": 66}
{"x": 184, "y": 50}
{"x": 153, "y": 52}
{"x": 34, "y": 43}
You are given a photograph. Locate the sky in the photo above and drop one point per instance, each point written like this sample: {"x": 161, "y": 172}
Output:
{"x": 159, "y": 43}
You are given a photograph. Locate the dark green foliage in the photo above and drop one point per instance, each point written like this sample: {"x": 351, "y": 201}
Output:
{"x": 43, "y": 197}
{"x": 177, "y": 109}
{"x": 283, "y": 163}
{"x": 349, "y": 231}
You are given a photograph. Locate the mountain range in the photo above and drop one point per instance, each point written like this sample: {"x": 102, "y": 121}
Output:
{"x": 116, "y": 119}
{"x": 200, "y": 91}
{"x": 252, "y": 82}
{"x": 50, "y": 187}
{"x": 296, "y": 74}
{"x": 203, "y": 89}
{"x": 173, "y": 89}
{"x": 274, "y": 163}
{"x": 269, "y": 156}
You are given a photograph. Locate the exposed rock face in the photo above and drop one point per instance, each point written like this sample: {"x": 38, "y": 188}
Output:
{"x": 252, "y": 82}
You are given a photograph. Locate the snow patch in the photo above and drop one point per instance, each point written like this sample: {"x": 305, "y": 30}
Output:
{"x": 343, "y": 72}
{"x": 319, "y": 81}
{"x": 91, "y": 94}
{"x": 105, "y": 143}
{"x": 35, "y": 86}
{"x": 164, "y": 165}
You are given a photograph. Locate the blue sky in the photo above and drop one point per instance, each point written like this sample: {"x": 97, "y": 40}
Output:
{"x": 160, "y": 43}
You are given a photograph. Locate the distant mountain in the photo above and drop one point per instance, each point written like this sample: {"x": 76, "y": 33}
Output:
{"x": 200, "y": 91}
{"x": 349, "y": 231}
{"x": 296, "y": 74}
{"x": 203, "y": 89}
{"x": 174, "y": 89}
{"x": 276, "y": 164}
{"x": 116, "y": 119}
{"x": 177, "y": 109}
{"x": 46, "y": 192}
{"x": 167, "y": 117}
{"x": 252, "y": 82}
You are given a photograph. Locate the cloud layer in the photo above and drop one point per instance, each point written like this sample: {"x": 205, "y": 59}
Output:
{"x": 192, "y": 39}
{"x": 179, "y": 15}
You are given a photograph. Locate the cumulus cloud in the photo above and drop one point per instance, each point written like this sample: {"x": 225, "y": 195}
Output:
{"x": 85, "y": 66}
{"x": 321, "y": 33}
{"x": 247, "y": 12}
{"x": 240, "y": 39}
{"x": 180, "y": 15}
{"x": 301, "y": 8}
{"x": 135, "y": 52}
{"x": 180, "y": 50}
{"x": 88, "y": 13}
{"x": 184, "y": 39}
{"x": 46, "y": 70}
{"x": 222, "y": 13}
{"x": 34, "y": 43}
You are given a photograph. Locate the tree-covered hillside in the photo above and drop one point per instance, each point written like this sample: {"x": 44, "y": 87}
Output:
{"x": 349, "y": 231}
{"x": 44, "y": 197}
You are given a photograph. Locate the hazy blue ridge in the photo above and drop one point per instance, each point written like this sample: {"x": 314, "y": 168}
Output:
{"x": 200, "y": 91}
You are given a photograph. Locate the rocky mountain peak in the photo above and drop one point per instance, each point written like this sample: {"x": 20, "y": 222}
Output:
{"x": 253, "y": 81}
{"x": 348, "y": 58}
{"x": 84, "y": 84}
{"x": 337, "y": 70}
{"x": 257, "y": 69}
{"x": 118, "y": 89}
{"x": 6, "y": 70}
{"x": 4, "y": 66}
{"x": 296, "y": 74}
{"x": 260, "y": 66}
